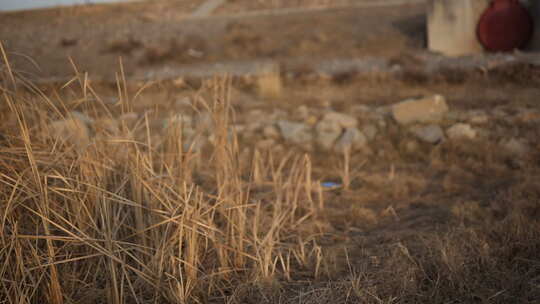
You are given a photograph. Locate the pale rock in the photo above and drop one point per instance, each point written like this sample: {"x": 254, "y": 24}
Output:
{"x": 411, "y": 146}
{"x": 461, "y": 130}
{"x": 177, "y": 120}
{"x": 277, "y": 114}
{"x": 500, "y": 113}
{"x": 381, "y": 123}
{"x": 327, "y": 104}
{"x": 71, "y": 130}
{"x": 302, "y": 112}
{"x": 455, "y": 115}
{"x": 352, "y": 139}
{"x": 311, "y": 120}
{"x": 327, "y": 132}
{"x": 237, "y": 128}
{"x": 204, "y": 122}
{"x": 425, "y": 110}
{"x": 294, "y": 132}
{"x": 258, "y": 117}
{"x": 82, "y": 117}
{"x": 195, "y": 143}
{"x": 516, "y": 146}
{"x": 179, "y": 82}
{"x": 183, "y": 102}
{"x": 430, "y": 133}
{"x": 369, "y": 130}
{"x": 129, "y": 118}
{"x": 344, "y": 120}
{"x": 383, "y": 111}
{"x": 271, "y": 132}
{"x": 361, "y": 110}
{"x": 478, "y": 117}
{"x": 108, "y": 126}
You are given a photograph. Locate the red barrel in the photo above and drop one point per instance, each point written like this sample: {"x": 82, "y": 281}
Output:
{"x": 504, "y": 26}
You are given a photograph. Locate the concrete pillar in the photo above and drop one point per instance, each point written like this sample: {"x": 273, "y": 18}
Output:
{"x": 452, "y": 26}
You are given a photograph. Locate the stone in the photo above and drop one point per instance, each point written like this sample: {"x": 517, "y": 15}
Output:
{"x": 311, "y": 120}
{"x": 500, "y": 113}
{"x": 430, "y": 133}
{"x": 129, "y": 117}
{"x": 204, "y": 122}
{"x": 195, "y": 143}
{"x": 516, "y": 146}
{"x": 237, "y": 129}
{"x": 327, "y": 132}
{"x": 107, "y": 125}
{"x": 352, "y": 139}
{"x": 370, "y": 131}
{"x": 425, "y": 110}
{"x": 411, "y": 146}
{"x": 183, "y": 102}
{"x": 479, "y": 120}
{"x": 461, "y": 130}
{"x": 383, "y": 111}
{"x": 71, "y": 130}
{"x": 381, "y": 123}
{"x": 82, "y": 117}
{"x": 478, "y": 117}
{"x": 177, "y": 120}
{"x": 455, "y": 115}
{"x": 271, "y": 131}
{"x": 302, "y": 112}
{"x": 344, "y": 120}
{"x": 294, "y": 132}
{"x": 277, "y": 114}
{"x": 179, "y": 82}
{"x": 361, "y": 109}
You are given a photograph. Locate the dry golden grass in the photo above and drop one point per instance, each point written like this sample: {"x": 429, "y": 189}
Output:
{"x": 124, "y": 220}
{"x": 118, "y": 220}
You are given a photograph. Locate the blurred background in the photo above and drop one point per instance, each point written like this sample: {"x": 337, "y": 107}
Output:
{"x": 12, "y": 5}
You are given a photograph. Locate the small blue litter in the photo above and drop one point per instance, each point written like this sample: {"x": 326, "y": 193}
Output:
{"x": 330, "y": 185}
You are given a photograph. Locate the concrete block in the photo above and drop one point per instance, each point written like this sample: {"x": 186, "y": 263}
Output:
{"x": 452, "y": 26}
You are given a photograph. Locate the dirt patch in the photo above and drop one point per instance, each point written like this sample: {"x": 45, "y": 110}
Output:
{"x": 243, "y": 6}
{"x": 397, "y": 232}
{"x": 156, "y": 217}
{"x": 174, "y": 42}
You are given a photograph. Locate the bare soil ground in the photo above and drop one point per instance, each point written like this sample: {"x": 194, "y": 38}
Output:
{"x": 243, "y": 6}
{"x": 448, "y": 223}
{"x": 150, "y": 43}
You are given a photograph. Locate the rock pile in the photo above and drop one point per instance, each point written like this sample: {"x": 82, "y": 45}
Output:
{"x": 428, "y": 120}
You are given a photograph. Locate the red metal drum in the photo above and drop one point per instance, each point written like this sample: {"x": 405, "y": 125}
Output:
{"x": 504, "y": 26}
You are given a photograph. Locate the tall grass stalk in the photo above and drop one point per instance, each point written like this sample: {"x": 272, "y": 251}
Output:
{"x": 121, "y": 220}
